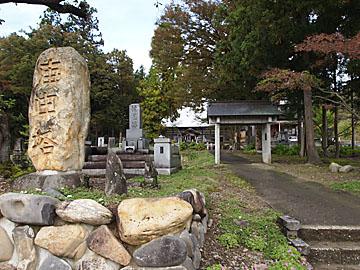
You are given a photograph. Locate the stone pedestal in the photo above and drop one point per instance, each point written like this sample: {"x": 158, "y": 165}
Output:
{"x": 166, "y": 156}
{"x": 48, "y": 179}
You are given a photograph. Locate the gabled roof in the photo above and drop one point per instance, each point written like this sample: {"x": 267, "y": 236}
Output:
{"x": 242, "y": 108}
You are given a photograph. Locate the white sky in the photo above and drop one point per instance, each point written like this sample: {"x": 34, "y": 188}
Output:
{"x": 125, "y": 25}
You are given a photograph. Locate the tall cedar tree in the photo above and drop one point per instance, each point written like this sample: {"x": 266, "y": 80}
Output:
{"x": 277, "y": 80}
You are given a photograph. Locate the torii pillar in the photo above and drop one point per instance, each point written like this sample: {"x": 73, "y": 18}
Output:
{"x": 266, "y": 143}
{"x": 217, "y": 143}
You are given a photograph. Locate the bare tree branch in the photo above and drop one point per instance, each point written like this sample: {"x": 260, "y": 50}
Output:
{"x": 54, "y": 5}
{"x": 341, "y": 101}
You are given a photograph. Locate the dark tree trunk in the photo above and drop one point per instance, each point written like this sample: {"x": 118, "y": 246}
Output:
{"x": 5, "y": 138}
{"x": 324, "y": 134}
{"x": 336, "y": 132}
{"x": 312, "y": 154}
{"x": 352, "y": 121}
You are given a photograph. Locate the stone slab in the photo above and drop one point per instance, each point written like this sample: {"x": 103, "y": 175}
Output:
{"x": 28, "y": 209}
{"x": 289, "y": 223}
{"x": 43, "y": 181}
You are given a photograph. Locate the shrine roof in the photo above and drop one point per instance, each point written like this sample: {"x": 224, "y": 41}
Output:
{"x": 242, "y": 108}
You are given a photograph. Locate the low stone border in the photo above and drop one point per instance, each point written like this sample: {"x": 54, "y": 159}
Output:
{"x": 290, "y": 227}
{"x": 42, "y": 233}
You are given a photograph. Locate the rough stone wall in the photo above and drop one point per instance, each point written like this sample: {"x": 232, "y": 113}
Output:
{"x": 41, "y": 233}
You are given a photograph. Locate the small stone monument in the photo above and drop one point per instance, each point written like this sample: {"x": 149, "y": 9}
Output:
{"x": 59, "y": 113}
{"x": 150, "y": 174}
{"x": 115, "y": 177}
{"x": 167, "y": 157}
{"x": 101, "y": 142}
{"x": 135, "y": 135}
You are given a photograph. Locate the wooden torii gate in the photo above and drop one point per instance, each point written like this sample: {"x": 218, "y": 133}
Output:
{"x": 244, "y": 113}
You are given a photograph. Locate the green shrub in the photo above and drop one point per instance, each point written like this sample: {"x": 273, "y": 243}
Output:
{"x": 249, "y": 149}
{"x": 192, "y": 146}
{"x": 259, "y": 232}
{"x": 215, "y": 267}
{"x": 348, "y": 151}
{"x": 229, "y": 240}
{"x": 285, "y": 150}
{"x": 10, "y": 171}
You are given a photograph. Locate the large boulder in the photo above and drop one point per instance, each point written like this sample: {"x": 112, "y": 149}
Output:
{"x": 84, "y": 211}
{"x": 59, "y": 111}
{"x": 115, "y": 177}
{"x": 63, "y": 241}
{"x": 142, "y": 220}
{"x": 7, "y": 248}
{"x": 25, "y": 249}
{"x": 195, "y": 198}
{"x": 186, "y": 237}
{"x": 346, "y": 169}
{"x": 28, "y": 209}
{"x": 334, "y": 167}
{"x": 104, "y": 243}
{"x": 161, "y": 252}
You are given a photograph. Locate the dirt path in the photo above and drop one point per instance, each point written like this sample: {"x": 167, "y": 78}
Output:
{"x": 213, "y": 252}
{"x": 310, "y": 202}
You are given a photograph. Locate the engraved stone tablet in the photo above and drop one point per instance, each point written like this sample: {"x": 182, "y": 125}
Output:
{"x": 59, "y": 110}
{"x": 134, "y": 116}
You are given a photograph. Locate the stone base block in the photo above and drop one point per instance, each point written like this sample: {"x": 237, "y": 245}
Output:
{"x": 167, "y": 171}
{"x": 49, "y": 179}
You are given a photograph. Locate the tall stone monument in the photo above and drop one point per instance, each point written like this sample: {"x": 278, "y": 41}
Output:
{"x": 59, "y": 112}
{"x": 135, "y": 138}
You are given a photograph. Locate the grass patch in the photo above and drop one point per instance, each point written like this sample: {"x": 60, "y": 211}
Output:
{"x": 257, "y": 231}
{"x": 215, "y": 267}
{"x": 351, "y": 186}
{"x": 198, "y": 172}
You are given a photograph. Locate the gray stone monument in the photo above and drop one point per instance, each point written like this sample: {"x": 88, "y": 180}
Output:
{"x": 135, "y": 140}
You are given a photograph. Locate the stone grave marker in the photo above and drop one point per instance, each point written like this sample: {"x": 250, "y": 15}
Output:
{"x": 111, "y": 142}
{"x": 101, "y": 141}
{"x": 135, "y": 135}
